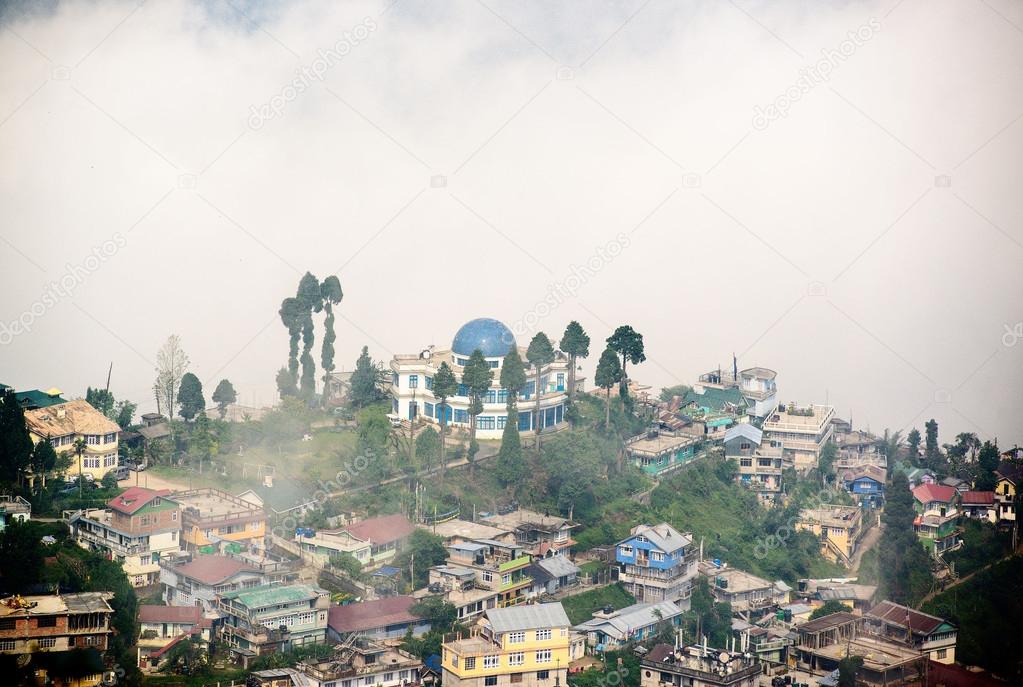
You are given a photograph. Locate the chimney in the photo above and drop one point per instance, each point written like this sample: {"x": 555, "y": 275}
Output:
{"x": 61, "y": 412}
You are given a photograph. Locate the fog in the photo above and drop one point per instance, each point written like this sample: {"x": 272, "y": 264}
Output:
{"x": 726, "y": 177}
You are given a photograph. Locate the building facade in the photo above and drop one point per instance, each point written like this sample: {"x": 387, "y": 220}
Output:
{"x": 273, "y": 618}
{"x": 198, "y": 582}
{"x": 696, "y": 666}
{"x": 412, "y": 383}
{"x": 213, "y": 520}
{"x": 64, "y": 423}
{"x": 839, "y": 529}
{"x": 656, "y": 564}
{"x": 937, "y": 519}
{"x": 800, "y": 432}
{"x": 760, "y": 465}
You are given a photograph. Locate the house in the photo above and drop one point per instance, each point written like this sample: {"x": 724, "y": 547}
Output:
{"x": 1009, "y": 476}
{"x": 214, "y": 521}
{"x": 386, "y": 535}
{"x": 937, "y": 520}
{"x": 856, "y": 597}
{"x": 456, "y": 530}
{"x": 801, "y": 432}
{"x": 770, "y": 643}
{"x": 928, "y": 634}
{"x": 323, "y": 544}
{"x": 33, "y": 399}
{"x": 199, "y": 581}
{"x": 959, "y": 485}
{"x": 63, "y": 424}
{"x": 53, "y": 623}
{"x": 749, "y": 595}
{"x": 13, "y": 508}
{"x": 460, "y": 589}
{"x": 838, "y": 527}
{"x": 553, "y": 573}
{"x": 916, "y": 476}
{"x": 380, "y": 619}
{"x": 541, "y": 534}
{"x": 162, "y": 627}
{"x": 610, "y": 630}
{"x": 760, "y": 465}
{"x": 272, "y": 618}
{"x": 136, "y": 529}
{"x": 823, "y": 642}
{"x": 659, "y": 451}
{"x": 495, "y": 566}
{"x": 525, "y": 645}
{"x": 866, "y": 484}
{"x": 362, "y": 662}
{"x": 697, "y": 666}
{"x": 980, "y": 505}
{"x": 657, "y": 564}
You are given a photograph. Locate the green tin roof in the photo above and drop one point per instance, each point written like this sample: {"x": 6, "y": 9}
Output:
{"x": 37, "y": 399}
{"x": 271, "y": 595}
{"x": 715, "y": 399}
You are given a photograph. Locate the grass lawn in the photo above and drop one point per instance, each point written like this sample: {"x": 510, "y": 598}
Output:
{"x": 580, "y": 607}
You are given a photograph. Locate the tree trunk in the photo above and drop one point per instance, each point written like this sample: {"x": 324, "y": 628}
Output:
{"x": 571, "y": 377}
{"x": 443, "y": 427}
{"x": 536, "y": 413}
{"x": 472, "y": 438}
{"x": 607, "y": 411}
{"x": 624, "y": 384}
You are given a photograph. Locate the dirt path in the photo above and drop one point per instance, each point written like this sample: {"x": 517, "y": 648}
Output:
{"x": 869, "y": 541}
{"x": 152, "y": 481}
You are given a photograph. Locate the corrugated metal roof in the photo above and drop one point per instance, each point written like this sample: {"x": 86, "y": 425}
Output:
{"x": 528, "y": 617}
{"x": 746, "y": 431}
{"x": 559, "y": 566}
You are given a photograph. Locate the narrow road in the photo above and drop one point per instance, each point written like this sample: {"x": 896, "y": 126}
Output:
{"x": 958, "y": 582}
{"x": 869, "y": 541}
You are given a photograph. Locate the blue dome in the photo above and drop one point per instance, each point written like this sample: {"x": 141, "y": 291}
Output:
{"x": 486, "y": 334}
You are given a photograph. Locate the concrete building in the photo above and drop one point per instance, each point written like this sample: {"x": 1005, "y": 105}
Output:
{"x": 657, "y": 564}
{"x": 660, "y": 451}
{"x": 760, "y": 465}
{"x": 162, "y": 627}
{"x": 611, "y": 630}
{"x": 839, "y": 529}
{"x": 380, "y": 619}
{"x": 198, "y": 582}
{"x": 56, "y": 623}
{"x": 213, "y": 520}
{"x": 800, "y": 432}
{"x": 552, "y": 574}
{"x": 412, "y": 383}
{"x": 822, "y": 643}
{"x": 1009, "y": 476}
{"x": 526, "y": 645}
{"x": 496, "y": 567}
{"x": 539, "y": 534}
{"x": 460, "y": 589}
{"x": 937, "y": 519}
{"x": 64, "y": 423}
{"x": 136, "y": 529}
{"x": 13, "y": 508}
{"x": 750, "y": 596}
{"x": 697, "y": 666}
{"x": 272, "y": 618}
{"x": 357, "y": 664}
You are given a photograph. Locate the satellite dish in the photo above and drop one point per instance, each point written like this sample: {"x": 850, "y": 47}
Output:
{"x": 724, "y": 657}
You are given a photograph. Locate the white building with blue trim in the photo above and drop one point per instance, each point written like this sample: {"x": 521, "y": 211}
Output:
{"x": 412, "y": 383}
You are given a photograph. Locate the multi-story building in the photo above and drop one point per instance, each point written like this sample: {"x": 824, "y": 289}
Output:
{"x": 13, "y": 508}
{"x": 380, "y": 619}
{"x": 698, "y": 666}
{"x": 272, "y": 618}
{"x": 981, "y": 505}
{"x": 525, "y": 645}
{"x": 928, "y": 634}
{"x": 749, "y": 595}
{"x": 540, "y": 534}
{"x": 1009, "y": 477}
{"x": 198, "y": 582}
{"x": 412, "y": 383}
{"x": 659, "y": 451}
{"x": 865, "y": 483}
{"x": 800, "y": 432}
{"x": 937, "y": 519}
{"x": 496, "y": 566}
{"x": 64, "y": 423}
{"x": 213, "y": 520}
{"x": 760, "y": 465}
{"x": 136, "y": 529}
{"x": 56, "y": 623}
{"x": 354, "y": 665}
{"x": 839, "y": 529}
{"x": 610, "y": 630}
{"x": 161, "y": 627}
{"x": 824, "y": 642}
{"x": 656, "y": 564}
{"x": 460, "y": 588}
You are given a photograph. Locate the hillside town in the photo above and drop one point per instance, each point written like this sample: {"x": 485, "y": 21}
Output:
{"x": 479, "y": 514}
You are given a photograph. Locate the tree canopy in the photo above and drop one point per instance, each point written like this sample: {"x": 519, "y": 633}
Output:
{"x": 190, "y": 397}
{"x": 224, "y": 395}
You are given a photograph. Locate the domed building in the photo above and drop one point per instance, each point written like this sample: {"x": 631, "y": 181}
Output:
{"x": 412, "y": 383}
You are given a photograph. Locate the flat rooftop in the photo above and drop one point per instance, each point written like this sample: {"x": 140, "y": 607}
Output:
{"x": 464, "y": 529}
{"x": 662, "y": 443}
{"x": 832, "y": 516}
{"x": 781, "y": 419}
{"x": 471, "y": 645}
{"x": 739, "y": 581}
{"x": 521, "y": 517}
{"x": 214, "y": 502}
{"x": 878, "y": 655}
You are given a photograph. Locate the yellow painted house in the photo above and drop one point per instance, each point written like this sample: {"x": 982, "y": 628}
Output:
{"x": 838, "y": 527}
{"x": 1010, "y": 478}
{"x": 525, "y": 645}
{"x": 64, "y": 423}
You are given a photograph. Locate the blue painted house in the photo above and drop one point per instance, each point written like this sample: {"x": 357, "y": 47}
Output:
{"x": 866, "y": 484}
{"x": 657, "y": 563}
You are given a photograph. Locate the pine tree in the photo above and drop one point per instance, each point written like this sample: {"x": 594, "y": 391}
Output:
{"x": 575, "y": 342}
{"x": 224, "y": 395}
{"x": 628, "y": 343}
{"x": 477, "y": 375}
{"x": 539, "y": 354}
{"x": 190, "y": 396}
{"x": 609, "y": 373}
{"x": 444, "y": 387}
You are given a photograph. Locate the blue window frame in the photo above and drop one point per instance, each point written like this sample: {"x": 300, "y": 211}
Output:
{"x": 524, "y": 421}
{"x": 413, "y": 408}
{"x": 559, "y": 414}
{"x": 394, "y": 379}
{"x": 429, "y": 382}
{"x": 548, "y": 417}
{"x": 394, "y": 406}
{"x": 527, "y": 390}
{"x": 413, "y": 381}
{"x": 485, "y": 422}
{"x": 502, "y": 420}
{"x": 490, "y": 396}
{"x": 494, "y": 363}
{"x": 461, "y": 362}
{"x": 463, "y": 390}
{"x": 461, "y": 415}
{"x": 445, "y": 410}
{"x": 561, "y": 381}
{"x": 428, "y": 409}
{"x": 502, "y": 395}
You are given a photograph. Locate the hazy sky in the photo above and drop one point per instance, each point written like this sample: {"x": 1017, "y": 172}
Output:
{"x": 829, "y": 191}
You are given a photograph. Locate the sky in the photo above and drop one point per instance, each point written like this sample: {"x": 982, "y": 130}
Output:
{"x": 829, "y": 190}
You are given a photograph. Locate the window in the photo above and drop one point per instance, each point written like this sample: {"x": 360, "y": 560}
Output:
{"x": 516, "y": 678}
{"x": 490, "y": 396}
{"x": 491, "y": 661}
{"x": 461, "y": 362}
{"x": 543, "y": 674}
{"x": 429, "y": 382}
{"x": 488, "y": 576}
{"x": 516, "y": 637}
{"x": 7, "y": 624}
{"x": 502, "y": 396}
{"x": 494, "y": 363}
{"x": 109, "y": 461}
{"x": 485, "y": 422}
{"x": 8, "y": 645}
{"x": 413, "y": 381}
{"x": 92, "y": 439}
{"x": 369, "y": 680}
{"x": 746, "y": 462}
{"x": 543, "y": 636}
{"x": 543, "y": 655}
{"x": 388, "y": 677}
{"x": 744, "y": 446}
{"x": 403, "y": 675}
{"x": 506, "y": 578}
{"x": 490, "y": 680}
{"x": 48, "y": 621}
{"x": 561, "y": 381}
{"x": 470, "y": 664}
{"x": 502, "y": 421}
{"x": 625, "y": 550}
{"x": 461, "y": 415}
{"x": 516, "y": 659}
{"x": 942, "y": 653}
{"x": 656, "y": 556}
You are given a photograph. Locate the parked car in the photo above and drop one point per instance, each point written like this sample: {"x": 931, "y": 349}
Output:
{"x": 123, "y": 472}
